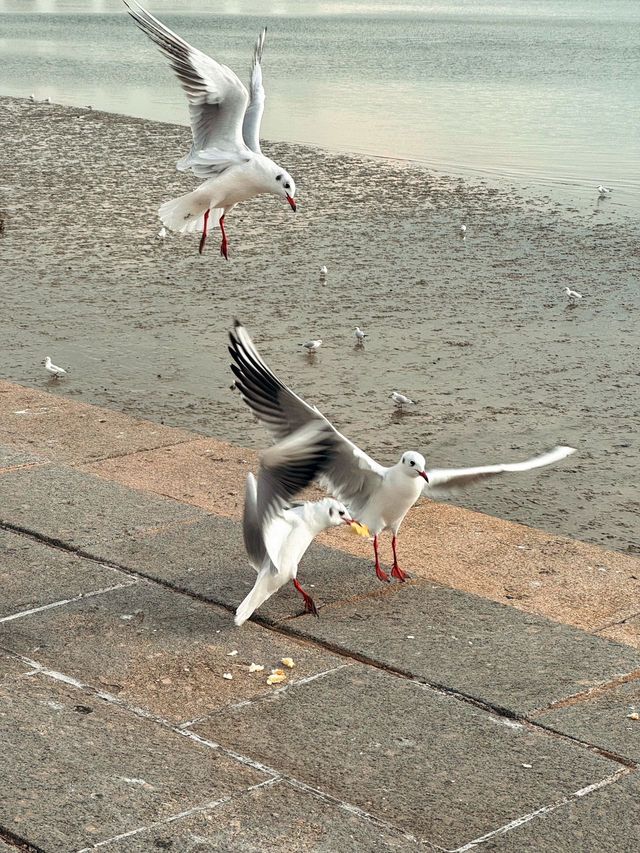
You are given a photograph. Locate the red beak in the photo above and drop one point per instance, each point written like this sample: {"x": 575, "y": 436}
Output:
{"x": 291, "y": 202}
{"x": 424, "y": 474}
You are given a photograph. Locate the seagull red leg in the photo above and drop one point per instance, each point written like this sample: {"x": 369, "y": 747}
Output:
{"x": 382, "y": 575}
{"x": 396, "y": 571}
{"x": 205, "y": 231}
{"x": 309, "y": 606}
{"x": 224, "y": 244}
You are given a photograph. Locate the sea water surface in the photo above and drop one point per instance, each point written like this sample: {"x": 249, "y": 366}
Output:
{"x": 544, "y": 93}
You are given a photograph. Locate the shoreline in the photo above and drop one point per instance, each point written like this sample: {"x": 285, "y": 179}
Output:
{"x": 475, "y": 330}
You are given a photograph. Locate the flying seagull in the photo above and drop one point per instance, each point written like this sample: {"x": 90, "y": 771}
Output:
{"x": 225, "y": 124}
{"x": 379, "y": 497}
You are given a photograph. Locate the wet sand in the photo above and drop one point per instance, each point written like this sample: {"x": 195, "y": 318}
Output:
{"x": 476, "y": 330}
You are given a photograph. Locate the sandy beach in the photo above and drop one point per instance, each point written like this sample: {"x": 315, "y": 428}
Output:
{"x": 477, "y": 331}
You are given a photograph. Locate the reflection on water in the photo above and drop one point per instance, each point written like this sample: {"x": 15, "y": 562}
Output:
{"x": 544, "y": 91}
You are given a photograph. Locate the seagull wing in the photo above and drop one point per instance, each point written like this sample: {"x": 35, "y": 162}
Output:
{"x": 251, "y": 530}
{"x": 253, "y": 115}
{"x": 349, "y": 473}
{"x": 217, "y": 98}
{"x": 444, "y": 481}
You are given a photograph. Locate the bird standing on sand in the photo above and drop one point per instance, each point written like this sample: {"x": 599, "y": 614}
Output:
{"x": 400, "y": 400}
{"x": 360, "y": 335}
{"x": 323, "y": 271}
{"x": 312, "y": 346}
{"x": 572, "y": 295}
{"x": 225, "y": 123}
{"x": 162, "y": 233}
{"x": 379, "y": 497}
{"x": 463, "y": 231}
{"x": 53, "y": 369}
{"x": 603, "y": 192}
{"x": 277, "y": 534}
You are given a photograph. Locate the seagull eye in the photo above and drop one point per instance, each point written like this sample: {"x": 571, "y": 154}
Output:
{"x": 341, "y": 512}
{"x": 278, "y": 177}
{"x": 287, "y": 186}
{"x": 412, "y": 464}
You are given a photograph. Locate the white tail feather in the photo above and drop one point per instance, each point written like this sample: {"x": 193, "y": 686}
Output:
{"x": 267, "y": 583}
{"x": 186, "y": 213}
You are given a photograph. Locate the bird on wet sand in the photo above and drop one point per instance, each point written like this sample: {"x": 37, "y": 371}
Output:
{"x": 51, "y": 368}
{"x": 225, "y": 124}
{"x": 400, "y": 400}
{"x": 360, "y": 335}
{"x": 277, "y": 533}
{"x": 378, "y": 496}
{"x": 312, "y": 346}
{"x": 572, "y": 295}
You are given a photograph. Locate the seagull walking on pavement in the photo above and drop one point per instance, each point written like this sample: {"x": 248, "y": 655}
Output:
{"x": 379, "y": 497}
{"x": 572, "y": 295}
{"x": 312, "y": 346}
{"x": 401, "y": 401}
{"x": 225, "y": 123}
{"x": 276, "y": 533}
{"x": 53, "y": 369}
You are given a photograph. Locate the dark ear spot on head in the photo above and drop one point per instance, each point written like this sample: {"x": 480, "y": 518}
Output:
{"x": 278, "y": 177}
{"x": 330, "y": 510}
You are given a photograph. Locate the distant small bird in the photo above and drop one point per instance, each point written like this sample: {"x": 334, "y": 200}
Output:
{"x": 162, "y": 233}
{"x": 53, "y": 369}
{"x": 603, "y": 192}
{"x": 400, "y": 400}
{"x": 323, "y": 271}
{"x": 312, "y": 346}
{"x": 89, "y": 107}
{"x": 47, "y": 100}
{"x": 463, "y": 230}
{"x": 360, "y": 335}
{"x": 32, "y": 97}
{"x": 572, "y": 295}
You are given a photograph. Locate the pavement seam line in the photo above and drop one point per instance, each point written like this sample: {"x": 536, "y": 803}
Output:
{"x": 90, "y": 594}
{"x": 494, "y": 710}
{"x": 520, "y": 821}
{"x": 99, "y": 459}
{"x": 586, "y": 695}
{"x": 213, "y": 804}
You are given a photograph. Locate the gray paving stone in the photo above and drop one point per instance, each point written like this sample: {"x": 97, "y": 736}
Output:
{"x": 160, "y": 650}
{"x": 82, "y": 770}
{"x": 33, "y": 574}
{"x": 273, "y": 819}
{"x": 432, "y": 765}
{"x": 604, "y": 821}
{"x": 9, "y": 457}
{"x": 83, "y": 510}
{"x": 603, "y": 720}
{"x": 11, "y": 667}
{"x": 513, "y": 660}
{"x": 208, "y": 558}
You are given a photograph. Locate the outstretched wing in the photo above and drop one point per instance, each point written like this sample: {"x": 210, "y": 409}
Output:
{"x": 350, "y": 474}
{"x": 217, "y": 98}
{"x": 253, "y": 115}
{"x": 444, "y": 481}
{"x": 251, "y": 530}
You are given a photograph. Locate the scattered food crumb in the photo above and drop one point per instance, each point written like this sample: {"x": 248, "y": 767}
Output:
{"x": 634, "y": 715}
{"x": 228, "y": 676}
{"x": 232, "y": 654}
{"x": 410, "y": 637}
{"x": 528, "y": 766}
{"x": 277, "y": 676}
{"x": 256, "y": 667}
{"x": 288, "y": 662}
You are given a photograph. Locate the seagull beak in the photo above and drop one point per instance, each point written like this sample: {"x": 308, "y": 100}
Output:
{"x": 424, "y": 475}
{"x": 291, "y": 203}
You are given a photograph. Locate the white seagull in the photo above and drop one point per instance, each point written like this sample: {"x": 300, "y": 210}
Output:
{"x": 162, "y": 233}
{"x": 312, "y": 346}
{"x": 323, "y": 271}
{"x": 572, "y": 295}
{"x": 603, "y": 192}
{"x": 400, "y": 400}
{"x": 360, "y": 335}
{"x": 463, "y": 230}
{"x": 379, "y": 497}
{"x": 277, "y": 534}
{"x": 225, "y": 123}
{"x": 53, "y": 369}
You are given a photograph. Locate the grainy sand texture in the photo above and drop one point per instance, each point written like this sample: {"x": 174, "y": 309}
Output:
{"x": 477, "y": 331}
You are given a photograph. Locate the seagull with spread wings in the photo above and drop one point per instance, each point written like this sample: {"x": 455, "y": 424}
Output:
{"x": 225, "y": 123}
{"x": 378, "y": 497}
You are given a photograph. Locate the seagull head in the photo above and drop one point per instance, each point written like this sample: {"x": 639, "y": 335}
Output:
{"x": 336, "y": 513}
{"x": 284, "y": 185}
{"x": 414, "y": 464}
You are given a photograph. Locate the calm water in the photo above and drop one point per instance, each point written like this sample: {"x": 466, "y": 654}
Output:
{"x": 544, "y": 92}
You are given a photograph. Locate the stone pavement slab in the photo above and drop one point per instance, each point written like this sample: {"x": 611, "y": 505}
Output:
{"x": 11, "y": 458}
{"x": 159, "y": 650}
{"x": 604, "y": 821}
{"x": 602, "y": 720}
{"x": 512, "y": 660}
{"x": 82, "y": 770}
{"x": 33, "y": 575}
{"x": 4, "y": 848}
{"x": 276, "y": 818}
{"x": 83, "y": 510}
{"x": 208, "y": 558}
{"x": 626, "y": 631}
{"x": 74, "y": 432}
{"x": 11, "y": 667}
{"x": 432, "y": 765}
